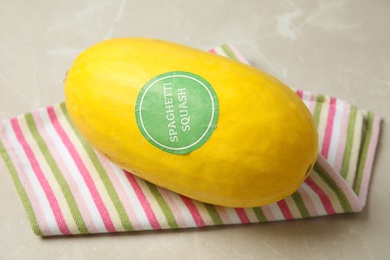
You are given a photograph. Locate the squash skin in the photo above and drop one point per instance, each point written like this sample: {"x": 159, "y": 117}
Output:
{"x": 264, "y": 144}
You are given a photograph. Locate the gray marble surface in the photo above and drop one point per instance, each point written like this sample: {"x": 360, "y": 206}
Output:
{"x": 336, "y": 47}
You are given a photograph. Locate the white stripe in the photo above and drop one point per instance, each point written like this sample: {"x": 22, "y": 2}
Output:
{"x": 307, "y": 99}
{"x": 336, "y": 131}
{"x": 220, "y": 51}
{"x": 172, "y": 199}
{"x": 293, "y": 207}
{"x": 274, "y": 207}
{"x": 187, "y": 216}
{"x": 238, "y": 54}
{"x": 73, "y": 171}
{"x": 132, "y": 196}
{"x": 33, "y": 180}
{"x": 233, "y": 215}
{"x": 316, "y": 200}
{"x": 329, "y": 192}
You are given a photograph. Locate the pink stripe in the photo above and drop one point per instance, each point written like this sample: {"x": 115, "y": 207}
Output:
{"x": 349, "y": 193}
{"x": 311, "y": 103}
{"x": 268, "y": 213}
{"x": 285, "y": 210}
{"x": 65, "y": 172}
{"x": 83, "y": 171}
{"x": 327, "y": 204}
{"x": 369, "y": 160}
{"x": 223, "y": 215}
{"x": 329, "y": 127}
{"x": 41, "y": 178}
{"x": 22, "y": 174}
{"x": 171, "y": 199}
{"x": 143, "y": 200}
{"x": 120, "y": 191}
{"x": 299, "y": 93}
{"x": 194, "y": 211}
{"x": 242, "y": 215}
{"x": 308, "y": 98}
{"x": 238, "y": 54}
{"x": 277, "y": 211}
{"x": 308, "y": 201}
{"x": 343, "y": 137}
{"x": 212, "y": 51}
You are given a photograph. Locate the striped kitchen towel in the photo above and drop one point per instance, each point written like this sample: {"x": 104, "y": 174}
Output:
{"x": 66, "y": 187}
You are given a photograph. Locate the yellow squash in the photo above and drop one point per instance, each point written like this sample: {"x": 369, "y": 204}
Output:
{"x": 193, "y": 122}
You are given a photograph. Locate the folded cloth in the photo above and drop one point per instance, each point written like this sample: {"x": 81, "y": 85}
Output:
{"x": 66, "y": 187}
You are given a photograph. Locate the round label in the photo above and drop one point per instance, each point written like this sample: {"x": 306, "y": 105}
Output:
{"x": 177, "y": 111}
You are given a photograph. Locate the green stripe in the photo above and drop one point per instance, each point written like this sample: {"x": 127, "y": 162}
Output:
{"x": 163, "y": 205}
{"x": 317, "y": 109}
{"x": 334, "y": 187}
{"x": 300, "y": 204}
{"x": 230, "y": 54}
{"x": 364, "y": 150}
{"x": 126, "y": 223}
{"x": 21, "y": 191}
{"x": 260, "y": 214}
{"x": 215, "y": 217}
{"x": 77, "y": 217}
{"x": 349, "y": 142}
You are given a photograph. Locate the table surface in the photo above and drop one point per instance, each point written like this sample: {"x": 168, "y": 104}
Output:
{"x": 339, "y": 48}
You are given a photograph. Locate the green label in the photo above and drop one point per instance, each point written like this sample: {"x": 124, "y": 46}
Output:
{"x": 177, "y": 111}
